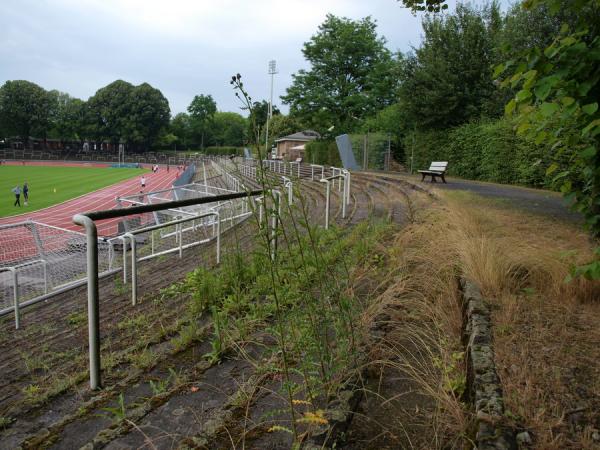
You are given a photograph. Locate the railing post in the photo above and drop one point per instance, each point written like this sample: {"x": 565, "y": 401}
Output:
{"x": 45, "y": 276}
{"x": 15, "y": 278}
{"x": 124, "y": 258}
{"x": 93, "y": 298}
{"x": 133, "y": 267}
{"x": 348, "y": 180}
{"x": 218, "y": 237}
{"x": 323, "y": 180}
{"x": 180, "y": 233}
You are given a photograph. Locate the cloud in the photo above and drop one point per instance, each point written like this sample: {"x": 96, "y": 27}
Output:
{"x": 182, "y": 47}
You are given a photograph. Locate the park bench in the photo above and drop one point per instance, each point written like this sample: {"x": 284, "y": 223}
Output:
{"x": 436, "y": 169}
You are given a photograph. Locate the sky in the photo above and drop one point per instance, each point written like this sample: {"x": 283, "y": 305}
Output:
{"x": 182, "y": 47}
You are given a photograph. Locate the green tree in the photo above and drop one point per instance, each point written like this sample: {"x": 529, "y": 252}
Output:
{"x": 67, "y": 116}
{"x": 351, "y": 76}
{"x": 24, "y": 109}
{"x": 433, "y": 6}
{"x": 201, "y": 109}
{"x": 180, "y": 126}
{"x": 448, "y": 81}
{"x": 108, "y": 110}
{"x": 556, "y": 103}
{"x": 229, "y": 129}
{"x": 149, "y": 116}
{"x": 283, "y": 125}
{"x": 121, "y": 111}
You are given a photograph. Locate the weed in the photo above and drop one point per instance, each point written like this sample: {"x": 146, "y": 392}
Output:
{"x": 133, "y": 323}
{"x": 117, "y": 413}
{"x": 120, "y": 288}
{"x": 187, "y": 335}
{"x": 160, "y": 386}
{"x": 5, "y": 422}
{"x": 144, "y": 359}
{"x": 31, "y": 393}
{"x": 77, "y": 319}
{"x": 218, "y": 343}
{"x": 34, "y": 362}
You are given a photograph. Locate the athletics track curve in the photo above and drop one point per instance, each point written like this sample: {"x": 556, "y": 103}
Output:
{"x": 61, "y": 214}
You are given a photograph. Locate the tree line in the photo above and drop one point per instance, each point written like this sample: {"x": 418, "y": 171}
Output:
{"x": 504, "y": 96}
{"x": 138, "y": 116}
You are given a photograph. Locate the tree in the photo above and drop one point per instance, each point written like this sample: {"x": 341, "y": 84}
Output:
{"x": 149, "y": 116}
{"x": 67, "y": 116}
{"x": 351, "y": 76}
{"x": 107, "y": 111}
{"x": 556, "y": 103}
{"x": 181, "y": 128}
{"x": 448, "y": 81}
{"x": 24, "y": 109}
{"x": 229, "y": 129}
{"x": 282, "y": 125}
{"x": 432, "y": 6}
{"x": 121, "y": 111}
{"x": 202, "y": 109}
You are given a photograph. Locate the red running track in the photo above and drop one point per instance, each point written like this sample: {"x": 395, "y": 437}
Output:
{"x": 61, "y": 215}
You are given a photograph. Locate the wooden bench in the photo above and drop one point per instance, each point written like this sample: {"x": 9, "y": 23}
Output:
{"x": 436, "y": 169}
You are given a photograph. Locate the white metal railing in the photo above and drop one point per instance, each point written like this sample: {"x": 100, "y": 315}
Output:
{"x": 179, "y": 234}
{"x": 88, "y": 221}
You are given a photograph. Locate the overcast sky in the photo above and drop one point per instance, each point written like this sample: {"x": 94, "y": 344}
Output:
{"x": 182, "y": 47}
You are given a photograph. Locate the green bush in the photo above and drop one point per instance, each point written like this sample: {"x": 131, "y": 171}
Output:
{"x": 487, "y": 151}
{"x": 322, "y": 152}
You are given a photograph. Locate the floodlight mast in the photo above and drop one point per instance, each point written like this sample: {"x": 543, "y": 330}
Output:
{"x": 272, "y": 71}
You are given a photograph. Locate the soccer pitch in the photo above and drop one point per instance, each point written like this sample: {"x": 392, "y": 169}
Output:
{"x": 49, "y": 185}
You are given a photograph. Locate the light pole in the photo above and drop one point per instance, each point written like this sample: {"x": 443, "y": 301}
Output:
{"x": 272, "y": 71}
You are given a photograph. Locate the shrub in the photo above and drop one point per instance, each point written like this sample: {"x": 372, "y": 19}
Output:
{"x": 487, "y": 151}
{"x": 322, "y": 152}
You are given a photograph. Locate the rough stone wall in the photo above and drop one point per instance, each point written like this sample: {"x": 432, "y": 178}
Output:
{"x": 484, "y": 387}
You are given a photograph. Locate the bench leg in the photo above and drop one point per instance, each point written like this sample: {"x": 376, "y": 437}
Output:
{"x": 433, "y": 178}
{"x": 443, "y": 179}
{"x": 422, "y": 177}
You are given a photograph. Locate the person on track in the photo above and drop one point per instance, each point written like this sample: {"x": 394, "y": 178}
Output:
{"x": 25, "y": 193}
{"x": 143, "y": 182}
{"x": 17, "y": 191}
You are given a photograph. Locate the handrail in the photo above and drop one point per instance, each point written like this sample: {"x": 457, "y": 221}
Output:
{"x": 87, "y": 220}
{"x": 131, "y": 235}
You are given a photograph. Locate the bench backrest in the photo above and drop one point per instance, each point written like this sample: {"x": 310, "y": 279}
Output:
{"x": 439, "y": 166}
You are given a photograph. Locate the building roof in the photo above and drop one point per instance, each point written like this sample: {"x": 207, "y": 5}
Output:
{"x": 306, "y": 135}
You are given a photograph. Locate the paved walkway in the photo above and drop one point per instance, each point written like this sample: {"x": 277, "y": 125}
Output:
{"x": 537, "y": 201}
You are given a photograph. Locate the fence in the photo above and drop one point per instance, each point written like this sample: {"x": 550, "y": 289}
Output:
{"x": 38, "y": 260}
{"x": 89, "y": 221}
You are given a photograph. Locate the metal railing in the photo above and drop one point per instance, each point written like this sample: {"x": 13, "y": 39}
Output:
{"x": 88, "y": 221}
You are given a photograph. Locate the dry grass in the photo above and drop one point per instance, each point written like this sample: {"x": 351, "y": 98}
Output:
{"x": 546, "y": 330}
{"x": 421, "y": 348}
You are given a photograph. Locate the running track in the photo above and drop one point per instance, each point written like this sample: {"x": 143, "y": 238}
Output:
{"x": 61, "y": 215}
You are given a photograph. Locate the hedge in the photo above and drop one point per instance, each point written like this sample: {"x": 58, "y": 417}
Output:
{"x": 488, "y": 151}
{"x": 322, "y": 152}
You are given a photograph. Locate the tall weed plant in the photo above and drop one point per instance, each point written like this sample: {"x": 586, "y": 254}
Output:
{"x": 294, "y": 285}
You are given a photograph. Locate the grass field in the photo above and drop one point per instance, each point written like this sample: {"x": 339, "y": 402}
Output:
{"x": 49, "y": 185}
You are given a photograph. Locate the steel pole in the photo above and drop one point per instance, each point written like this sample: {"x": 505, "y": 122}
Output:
{"x": 93, "y": 298}
{"x": 323, "y": 180}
